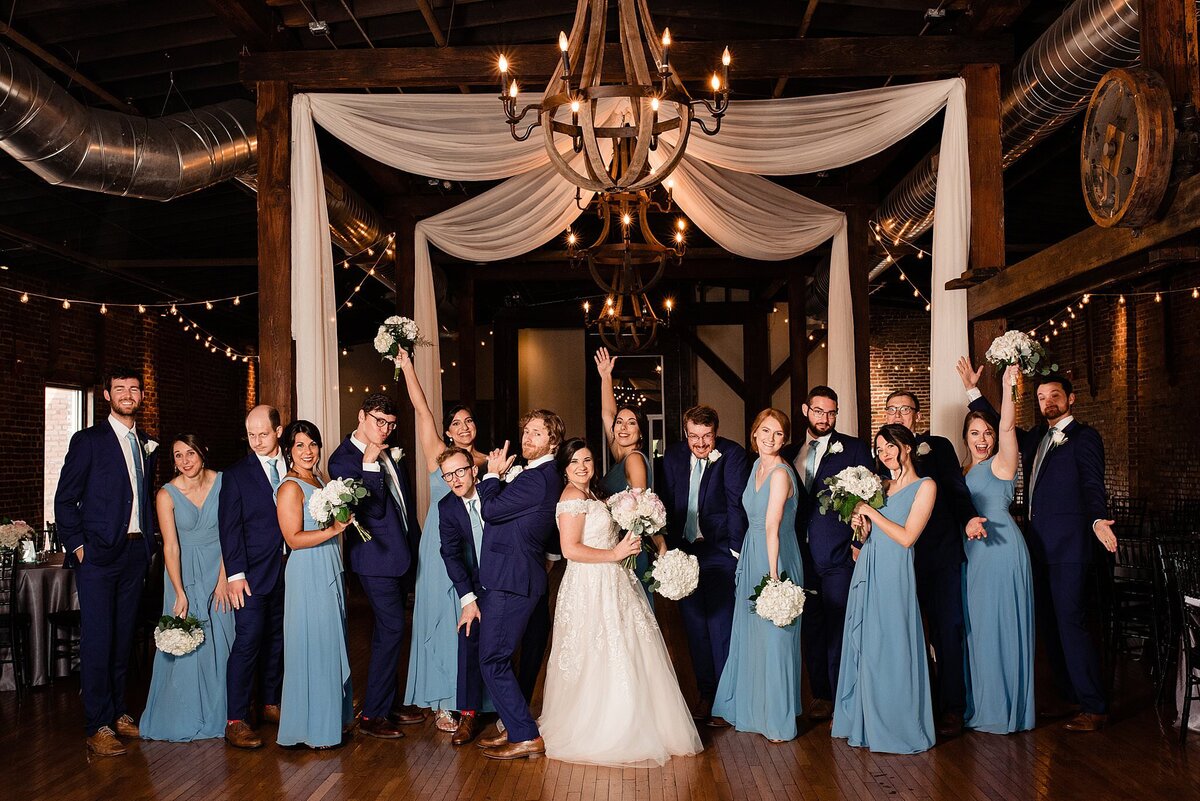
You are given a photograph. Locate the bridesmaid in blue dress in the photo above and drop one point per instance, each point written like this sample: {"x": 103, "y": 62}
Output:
{"x": 759, "y": 690}
{"x": 433, "y": 654}
{"x": 998, "y": 607}
{"x": 628, "y": 434}
{"x": 187, "y": 693}
{"x": 883, "y": 698}
{"x": 318, "y": 703}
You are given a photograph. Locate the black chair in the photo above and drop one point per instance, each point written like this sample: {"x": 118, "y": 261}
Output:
{"x": 65, "y": 627}
{"x": 1183, "y": 518}
{"x": 14, "y": 625}
{"x": 1136, "y": 604}
{"x": 1186, "y": 574}
{"x": 1128, "y": 515}
{"x": 1170, "y": 551}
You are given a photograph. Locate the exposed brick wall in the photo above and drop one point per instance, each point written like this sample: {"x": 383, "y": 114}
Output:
{"x": 899, "y": 355}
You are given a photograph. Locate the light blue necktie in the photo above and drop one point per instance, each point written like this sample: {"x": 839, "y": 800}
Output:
{"x": 139, "y": 478}
{"x": 476, "y": 527}
{"x": 691, "y": 528}
{"x": 810, "y": 465}
{"x": 273, "y": 465}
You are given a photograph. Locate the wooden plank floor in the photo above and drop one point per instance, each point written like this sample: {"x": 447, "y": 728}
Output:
{"x": 41, "y": 741}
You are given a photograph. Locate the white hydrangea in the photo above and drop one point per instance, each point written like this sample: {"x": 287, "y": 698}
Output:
{"x": 395, "y": 319}
{"x": 178, "y": 642}
{"x": 780, "y": 602}
{"x": 675, "y": 575}
{"x": 859, "y": 481}
{"x": 384, "y": 341}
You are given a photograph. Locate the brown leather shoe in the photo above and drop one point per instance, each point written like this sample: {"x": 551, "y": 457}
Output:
{"x": 529, "y": 749}
{"x": 270, "y": 713}
{"x": 104, "y": 743}
{"x": 407, "y": 716}
{"x": 382, "y": 728}
{"x": 1059, "y": 710}
{"x": 126, "y": 727}
{"x": 820, "y": 709}
{"x": 1086, "y": 721}
{"x": 715, "y": 722}
{"x": 950, "y": 724}
{"x": 466, "y": 730}
{"x": 493, "y": 738}
{"x": 239, "y": 735}
{"x": 703, "y": 710}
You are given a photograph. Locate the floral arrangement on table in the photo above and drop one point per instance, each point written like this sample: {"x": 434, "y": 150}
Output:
{"x": 846, "y": 490}
{"x": 675, "y": 575}
{"x": 12, "y": 532}
{"x": 178, "y": 636}
{"x": 779, "y": 601}
{"x": 336, "y": 501}
{"x": 398, "y": 333}
{"x": 640, "y": 512}
{"x": 1017, "y": 347}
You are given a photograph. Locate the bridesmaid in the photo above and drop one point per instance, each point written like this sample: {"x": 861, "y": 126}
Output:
{"x": 433, "y": 655}
{"x": 998, "y": 597}
{"x": 628, "y": 433}
{"x": 187, "y": 693}
{"x": 318, "y": 704}
{"x": 759, "y": 689}
{"x": 883, "y": 698}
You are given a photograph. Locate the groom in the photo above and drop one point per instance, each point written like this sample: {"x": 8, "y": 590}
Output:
{"x": 518, "y": 524}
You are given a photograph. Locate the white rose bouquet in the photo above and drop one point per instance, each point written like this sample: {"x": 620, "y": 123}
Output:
{"x": 1017, "y": 347}
{"x": 12, "y": 532}
{"x": 178, "y": 636}
{"x": 675, "y": 575}
{"x": 847, "y": 490}
{"x": 335, "y": 501}
{"x": 396, "y": 333}
{"x": 778, "y": 600}
{"x": 638, "y": 511}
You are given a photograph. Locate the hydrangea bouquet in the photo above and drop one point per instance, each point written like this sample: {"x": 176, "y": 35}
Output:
{"x": 1017, "y": 347}
{"x": 778, "y": 600}
{"x": 674, "y": 575}
{"x": 335, "y": 501}
{"x": 178, "y": 636}
{"x": 847, "y": 490}
{"x": 396, "y": 333}
{"x": 638, "y": 511}
{"x": 12, "y": 532}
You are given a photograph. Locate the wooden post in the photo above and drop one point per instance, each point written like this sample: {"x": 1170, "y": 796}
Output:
{"x": 466, "y": 342}
{"x": 858, "y": 232}
{"x": 1169, "y": 46}
{"x": 798, "y": 337}
{"x": 982, "y": 334}
{"x": 756, "y": 371}
{"x": 987, "y": 176}
{"x": 277, "y": 354}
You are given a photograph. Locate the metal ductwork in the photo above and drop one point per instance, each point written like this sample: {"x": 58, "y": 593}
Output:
{"x": 1050, "y": 84}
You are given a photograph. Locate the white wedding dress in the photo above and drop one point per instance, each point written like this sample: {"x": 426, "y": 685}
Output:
{"x": 611, "y": 696}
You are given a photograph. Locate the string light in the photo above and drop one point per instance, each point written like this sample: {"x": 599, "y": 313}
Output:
{"x": 1085, "y": 299}
{"x": 103, "y": 309}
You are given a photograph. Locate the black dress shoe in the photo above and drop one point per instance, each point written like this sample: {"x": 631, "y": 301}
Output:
{"x": 950, "y": 724}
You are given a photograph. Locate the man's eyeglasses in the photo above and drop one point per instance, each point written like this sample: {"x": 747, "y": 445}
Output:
{"x": 897, "y": 411}
{"x": 386, "y": 425}
{"x": 821, "y": 414}
{"x": 709, "y": 437}
{"x": 453, "y": 474}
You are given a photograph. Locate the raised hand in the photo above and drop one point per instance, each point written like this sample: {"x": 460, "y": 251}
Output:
{"x": 1104, "y": 533}
{"x": 498, "y": 461}
{"x": 403, "y": 360}
{"x": 1010, "y": 375}
{"x": 605, "y": 363}
{"x": 968, "y": 374}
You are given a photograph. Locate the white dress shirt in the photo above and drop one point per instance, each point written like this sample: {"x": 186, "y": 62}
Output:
{"x": 135, "y": 516}
{"x": 281, "y": 471}
{"x": 470, "y": 597}
{"x": 822, "y": 447}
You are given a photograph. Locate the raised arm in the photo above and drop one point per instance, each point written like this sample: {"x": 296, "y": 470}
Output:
{"x": 427, "y": 425}
{"x": 1008, "y": 450}
{"x": 780, "y": 489}
{"x": 608, "y": 399}
{"x": 918, "y": 516}
{"x": 291, "y": 520}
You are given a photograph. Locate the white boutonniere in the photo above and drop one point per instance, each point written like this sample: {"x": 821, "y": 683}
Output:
{"x": 836, "y": 447}
{"x": 713, "y": 456}
{"x": 397, "y": 454}
{"x": 149, "y": 447}
{"x": 513, "y": 472}
{"x": 1057, "y": 438}
{"x": 923, "y": 449}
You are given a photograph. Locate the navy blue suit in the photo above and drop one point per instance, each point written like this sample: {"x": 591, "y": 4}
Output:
{"x": 380, "y": 563}
{"x": 92, "y": 506}
{"x": 519, "y": 525}
{"x": 462, "y": 566}
{"x": 1068, "y": 497}
{"x": 252, "y": 543}
{"x": 708, "y": 612}
{"x": 825, "y": 543}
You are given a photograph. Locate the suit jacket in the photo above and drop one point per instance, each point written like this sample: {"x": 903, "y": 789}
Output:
{"x": 94, "y": 498}
{"x": 387, "y": 553}
{"x": 248, "y": 524}
{"x": 518, "y": 524}
{"x": 1069, "y": 495}
{"x": 458, "y": 546}
{"x": 828, "y": 538}
{"x": 723, "y": 520}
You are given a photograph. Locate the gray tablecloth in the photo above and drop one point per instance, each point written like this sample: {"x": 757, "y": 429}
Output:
{"x": 1181, "y": 678}
{"x": 42, "y": 589}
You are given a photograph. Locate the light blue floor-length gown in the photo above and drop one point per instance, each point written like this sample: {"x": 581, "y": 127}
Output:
{"x": 883, "y": 697}
{"x": 187, "y": 693}
{"x": 998, "y": 613}
{"x": 759, "y": 689}
{"x": 318, "y": 703}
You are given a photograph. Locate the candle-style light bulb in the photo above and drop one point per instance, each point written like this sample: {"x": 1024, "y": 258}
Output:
{"x": 654, "y": 104}
{"x": 503, "y": 64}
{"x": 716, "y": 83}
{"x": 512, "y": 90}
{"x": 725, "y": 59}
{"x": 626, "y": 219}
{"x": 587, "y": 307}
{"x": 681, "y": 224}
{"x": 574, "y": 106}
{"x": 563, "y": 44}
{"x": 666, "y": 48}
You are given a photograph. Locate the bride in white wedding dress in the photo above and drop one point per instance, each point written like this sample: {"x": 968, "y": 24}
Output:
{"x": 611, "y": 696}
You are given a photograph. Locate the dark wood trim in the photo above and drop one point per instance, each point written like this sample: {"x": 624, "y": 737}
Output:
{"x": 982, "y": 333}
{"x": 1169, "y": 45}
{"x": 779, "y": 376}
{"x": 54, "y": 62}
{"x": 715, "y": 362}
{"x": 987, "y": 173}
{"x": 253, "y": 22}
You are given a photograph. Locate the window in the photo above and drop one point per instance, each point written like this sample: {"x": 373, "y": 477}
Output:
{"x": 64, "y": 416}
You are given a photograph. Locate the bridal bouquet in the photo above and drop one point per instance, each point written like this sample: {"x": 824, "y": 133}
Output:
{"x": 335, "y": 500}
{"x": 12, "y": 532}
{"x": 778, "y": 600}
{"x": 639, "y": 511}
{"x": 848, "y": 489}
{"x": 1017, "y": 347}
{"x": 675, "y": 575}
{"x": 178, "y": 636}
{"x": 396, "y": 333}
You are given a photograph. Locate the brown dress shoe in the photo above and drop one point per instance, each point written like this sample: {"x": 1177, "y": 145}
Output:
{"x": 950, "y": 724}
{"x": 703, "y": 710}
{"x": 715, "y": 722}
{"x": 1058, "y": 710}
{"x": 466, "y": 730}
{"x": 493, "y": 738}
{"x": 529, "y": 749}
{"x": 821, "y": 709}
{"x": 239, "y": 735}
{"x": 270, "y": 713}
{"x": 382, "y": 728}
{"x": 1086, "y": 721}
{"x": 126, "y": 727}
{"x": 407, "y": 716}
{"x": 104, "y": 743}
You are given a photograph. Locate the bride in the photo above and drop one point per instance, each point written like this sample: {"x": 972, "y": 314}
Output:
{"x": 611, "y": 696}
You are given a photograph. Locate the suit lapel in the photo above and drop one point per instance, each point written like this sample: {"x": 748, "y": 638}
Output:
{"x": 260, "y": 476}
{"x": 114, "y": 445}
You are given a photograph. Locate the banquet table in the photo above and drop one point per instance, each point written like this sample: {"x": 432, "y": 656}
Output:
{"x": 42, "y": 588}
{"x": 1193, "y": 723}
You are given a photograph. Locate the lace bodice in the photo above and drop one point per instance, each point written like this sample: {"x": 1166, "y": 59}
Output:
{"x": 599, "y": 530}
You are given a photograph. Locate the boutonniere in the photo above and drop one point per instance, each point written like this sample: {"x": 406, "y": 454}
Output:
{"x": 836, "y": 447}
{"x": 149, "y": 447}
{"x": 513, "y": 472}
{"x": 923, "y": 449}
{"x": 1057, "y": 438}
{"x": 397, "y": 454}
{"x": 713, "y": 456}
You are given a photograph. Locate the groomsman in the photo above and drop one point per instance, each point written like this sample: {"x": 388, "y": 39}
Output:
{"x": 389, "y": 513}
{"x": 1064, "y": 490}
{"x": 938, "y": 558}
{"x": 103, "y": 506}
{"x": 460, "y": 526}
{"x": 252, "y": 547}
{"x": 703, "y": 481}
{"x": 825, "y": 543}
{"x": 519, "y": 523}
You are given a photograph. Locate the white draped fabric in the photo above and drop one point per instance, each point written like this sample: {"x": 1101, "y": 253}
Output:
{"x": 717, "y": 184}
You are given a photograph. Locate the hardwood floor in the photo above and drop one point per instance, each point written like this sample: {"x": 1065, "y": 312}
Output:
{"x": 1137, "y": 756}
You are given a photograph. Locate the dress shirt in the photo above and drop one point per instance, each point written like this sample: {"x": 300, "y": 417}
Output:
{"x": 802, "y": 457}
{"x": 123, "y": 433}
{"x": 470, "y": 597}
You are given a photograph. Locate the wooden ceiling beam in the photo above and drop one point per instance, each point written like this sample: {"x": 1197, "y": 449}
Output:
{"x": 52, "y": 61}
{"x": 253, "y": 22}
